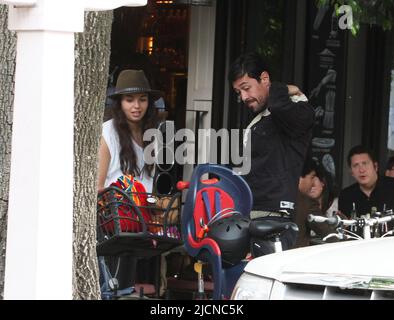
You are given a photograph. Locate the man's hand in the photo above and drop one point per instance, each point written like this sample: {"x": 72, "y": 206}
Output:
{"x": 294, "y": 90}
{"x": 295, "y": 94}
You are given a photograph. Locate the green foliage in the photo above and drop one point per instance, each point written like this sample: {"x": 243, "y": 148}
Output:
{"x": 267, "y": 17}
{"x": 379, "y": 12}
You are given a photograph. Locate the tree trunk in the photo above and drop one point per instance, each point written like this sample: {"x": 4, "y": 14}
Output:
{"x": 7, "y": 71}
{"x": 92, "y": 49}
{"x": 91, "y": 74}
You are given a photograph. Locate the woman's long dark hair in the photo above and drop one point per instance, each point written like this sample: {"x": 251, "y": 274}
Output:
{"x": 128, "y": 157}
{"x": 330, "y": 190}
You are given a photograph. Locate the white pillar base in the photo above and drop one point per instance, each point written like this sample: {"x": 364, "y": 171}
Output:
{"x": 40, "y": 214}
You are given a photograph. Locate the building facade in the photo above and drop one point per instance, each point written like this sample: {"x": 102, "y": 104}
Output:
{"x": 187, "y": 47}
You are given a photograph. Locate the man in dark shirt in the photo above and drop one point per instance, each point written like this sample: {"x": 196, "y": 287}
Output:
{"x": 370, "y": 190}
{"x": 280, "y": 136}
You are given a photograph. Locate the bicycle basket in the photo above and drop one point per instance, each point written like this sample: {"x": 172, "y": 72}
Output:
{"x": 131, "y": 221}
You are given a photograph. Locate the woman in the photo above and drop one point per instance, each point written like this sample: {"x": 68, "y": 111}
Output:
{"x": 122, "y": 146}
{"x": 324, "y": 191}
{"x": 315, "y": 196}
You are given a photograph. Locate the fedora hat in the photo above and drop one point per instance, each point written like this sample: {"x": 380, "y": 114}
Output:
{"x": 134, "y": 81}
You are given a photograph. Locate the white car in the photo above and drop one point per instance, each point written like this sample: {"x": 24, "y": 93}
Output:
{"x": 360, "y": 269}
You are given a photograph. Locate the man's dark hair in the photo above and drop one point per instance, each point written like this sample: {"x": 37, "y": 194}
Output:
{"x": 250, "y": 63}
{"x": 390, "y": 163}
{"x": 359, "y": 149}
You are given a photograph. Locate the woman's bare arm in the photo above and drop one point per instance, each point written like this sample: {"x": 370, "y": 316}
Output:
{"x": 104, "y": 158}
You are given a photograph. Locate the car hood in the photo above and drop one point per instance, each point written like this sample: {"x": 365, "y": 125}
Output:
{"x": 338, "y": 264}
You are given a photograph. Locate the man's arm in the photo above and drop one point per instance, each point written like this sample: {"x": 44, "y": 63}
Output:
{"x": 295, "y": 118}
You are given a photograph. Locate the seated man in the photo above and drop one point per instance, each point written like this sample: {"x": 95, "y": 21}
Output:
{"x": 370, "y": 189}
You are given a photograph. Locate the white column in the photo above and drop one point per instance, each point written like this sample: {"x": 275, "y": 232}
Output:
{"x": 40, "y": 213}
{"x": 39, "y": 231}
{"x": 200, "y": 75}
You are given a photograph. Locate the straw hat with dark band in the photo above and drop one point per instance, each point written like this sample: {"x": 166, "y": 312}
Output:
{"x": 134, "y": 81}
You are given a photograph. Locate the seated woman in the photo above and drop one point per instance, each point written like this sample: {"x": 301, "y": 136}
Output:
{"x": 122, "y": 147}
{"x": 316, "y": 195}
{"x": 324, "y": 191}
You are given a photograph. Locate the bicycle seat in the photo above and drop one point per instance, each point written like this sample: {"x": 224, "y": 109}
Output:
{"x": 268, "y": 229}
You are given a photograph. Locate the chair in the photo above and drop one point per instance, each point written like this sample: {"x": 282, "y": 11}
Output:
{"x": 205, "y": 199}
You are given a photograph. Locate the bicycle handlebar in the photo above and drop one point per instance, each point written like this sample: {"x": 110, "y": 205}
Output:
{"x": 348, "y": 222}
{"x": 364, "y": 223}
{"x": 319, "y": 219}
{"x": 182, "y": 185}
{"x": 382, "y": 219}
{"x": 336, "y": 220}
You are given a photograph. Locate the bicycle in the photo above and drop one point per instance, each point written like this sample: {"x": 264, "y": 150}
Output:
{"x": 366, "y": 223}
{"x": 217, "y": 229}
{"x": 123, "y": 227}
{"x": 136, "y": 224}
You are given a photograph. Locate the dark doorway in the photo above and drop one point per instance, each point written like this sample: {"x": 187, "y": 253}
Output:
{"x": 154, "y": 38}
{"x": 252, "y": 25}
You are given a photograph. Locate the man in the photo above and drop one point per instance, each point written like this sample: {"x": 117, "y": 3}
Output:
{"x": 280, "y": 136}
{"x": 390, "y": 168}
{"x": 370, "y": 189}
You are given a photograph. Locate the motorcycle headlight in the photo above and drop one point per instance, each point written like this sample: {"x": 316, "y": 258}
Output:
{"x": 251, "y": 287}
